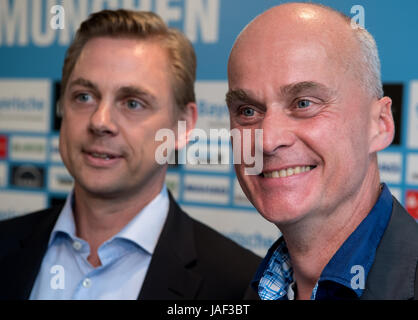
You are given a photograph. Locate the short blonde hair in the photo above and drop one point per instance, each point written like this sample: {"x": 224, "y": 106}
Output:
{"x": 138, "y": 25}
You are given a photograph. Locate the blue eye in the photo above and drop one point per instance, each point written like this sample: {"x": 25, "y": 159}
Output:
{"x": 248, "y": 112}
{"x": 83, "y": 97}
{"x": 303, "y": 104}
{"x": 134, "y": 104}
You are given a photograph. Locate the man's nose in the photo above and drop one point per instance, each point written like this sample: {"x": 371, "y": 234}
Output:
{"x": 278, "y": 132}
{"x": 102, "y": 120}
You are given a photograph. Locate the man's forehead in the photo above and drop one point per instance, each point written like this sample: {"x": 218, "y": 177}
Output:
{"x": 297, "y": 22}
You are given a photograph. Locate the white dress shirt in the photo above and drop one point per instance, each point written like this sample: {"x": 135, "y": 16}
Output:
{"x": 66, "y": 274}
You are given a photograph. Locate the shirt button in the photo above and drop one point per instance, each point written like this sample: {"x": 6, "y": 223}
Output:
{"x": 77, "y": 245}
{"x": 87, "y": 283}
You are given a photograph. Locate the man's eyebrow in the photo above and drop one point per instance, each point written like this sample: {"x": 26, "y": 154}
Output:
{"x": 289, "y": 90}
{"x": 136, "y": 91}
{"x": 297, "y": 88}
{"x": 84, "y": 83}
{"x": 124, "y": 91}
{"x": 238, "y": 94}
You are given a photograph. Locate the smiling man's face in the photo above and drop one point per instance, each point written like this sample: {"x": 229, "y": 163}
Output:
{"x": 118, "y": 96}
{"x": 292, "y": 81}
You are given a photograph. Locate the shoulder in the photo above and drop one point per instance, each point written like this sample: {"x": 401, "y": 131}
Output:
{"x": 401, "y": 234}
{"x": 206, "y": 237}
{"x": 19, "y": 227}
{"x": 394, "y": 274}
{"x": 224, "y": 263}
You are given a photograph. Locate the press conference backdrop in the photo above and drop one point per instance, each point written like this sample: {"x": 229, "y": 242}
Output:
{"x": 32, "y": 175}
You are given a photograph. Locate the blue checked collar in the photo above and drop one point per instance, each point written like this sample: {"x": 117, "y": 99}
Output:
{"x": 278, "y": 276}
{"x": 274, "y": 276}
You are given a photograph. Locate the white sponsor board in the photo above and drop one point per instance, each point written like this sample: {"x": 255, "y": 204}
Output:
{"x": 390, "y": 166}
{"x": 210, "y": 157}
{"x": 172, "y": 181}
{"x": 54, "y": 154}
{"x": 3, "y": 174}
{"x": 60, "y": 179}
{"x": 412, "y": 169}
{"x": 28, "y": 148}
{"x": 24, "y": 21}
{"x": 213, "y": 112}
{"x": 413, "y": 115}
{"x": 240, "y": 198}
{"x": 397, "y": 193}
{"x": 25, "y": 105}
{"x": 205, "y": 188}
{"x": 247, "y": 228}
{"x": 11, "y": 203}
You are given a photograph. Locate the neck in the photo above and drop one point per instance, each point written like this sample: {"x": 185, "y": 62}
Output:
{"x": 98, "y": 218}
{"x": 313, "y": 240}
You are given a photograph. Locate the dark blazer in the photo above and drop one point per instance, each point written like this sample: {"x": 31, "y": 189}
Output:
{"x": 190, "y": 261}
{"x": 394, "y": 273}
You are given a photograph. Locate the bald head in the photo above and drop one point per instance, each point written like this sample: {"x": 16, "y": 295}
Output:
{"x": 351, "y": 50}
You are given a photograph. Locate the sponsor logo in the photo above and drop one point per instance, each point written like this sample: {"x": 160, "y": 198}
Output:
{"x": 172, "y": 181}
{"x": 205, "y": 160}
{"x": 247, "y": 228}
{"x": 413, "y": 115}
{"x": 3, "y": 174}
{"x": 3, "y": 147}
{"x": 13, "y": 203}
{"x": 206, "y": 189}
{"x": 240, "y": 198}
{"x": 201, "y": 149}
{"x": 28, "y": 148}
{"x": 412, "y": 169}
{"x": 28, "y": 176}
{"x": 395, "y": 92}
{"x": 59, "y": 179}
{"x": 24, "y": 105}
{"x": 213, "y": 112}
{"x": 54, "y": 153}
{"x": 412, "y": 203}
{"x": 390, "y": 166}
{"x": 32, "y": 22}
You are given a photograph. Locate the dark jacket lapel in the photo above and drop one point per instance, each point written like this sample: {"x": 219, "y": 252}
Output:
{"x": 21, "y": 264}
{"x": 393, "y": 274}
{"x": 170, "y": 274}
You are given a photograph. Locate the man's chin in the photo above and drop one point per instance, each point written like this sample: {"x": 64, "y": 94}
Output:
{"x": 279, "y": 215}
{"x": 100, "y": 191}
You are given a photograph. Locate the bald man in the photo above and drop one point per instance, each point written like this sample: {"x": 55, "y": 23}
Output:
{"x": 311, "y": 82}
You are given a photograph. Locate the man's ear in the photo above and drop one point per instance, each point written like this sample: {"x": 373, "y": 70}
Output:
{"x": 188, "y": 116}
{"x": 382, "y": 126}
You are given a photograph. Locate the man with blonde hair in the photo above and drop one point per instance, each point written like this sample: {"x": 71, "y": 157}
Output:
{"x": 120, "y": 234}
{"x": 311, "y": 82}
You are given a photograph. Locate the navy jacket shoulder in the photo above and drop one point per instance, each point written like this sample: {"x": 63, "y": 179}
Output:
{"x": 190, "y": 261}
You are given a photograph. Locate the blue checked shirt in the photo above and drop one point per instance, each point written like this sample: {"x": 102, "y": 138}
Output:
{"x": 340, "y": 277}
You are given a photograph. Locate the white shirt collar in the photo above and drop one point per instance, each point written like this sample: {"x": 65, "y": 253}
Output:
{"x": 144, "y": 229}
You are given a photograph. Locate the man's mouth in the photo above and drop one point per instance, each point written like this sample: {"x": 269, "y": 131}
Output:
{"x": 101, "y": 154}
{"x": 287, "y": 172}
{"x": 104, "y": 156}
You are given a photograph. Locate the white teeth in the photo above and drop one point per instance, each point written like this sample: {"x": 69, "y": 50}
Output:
{"x": 287, "y": 172}
{"x": 100, "y": 155}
